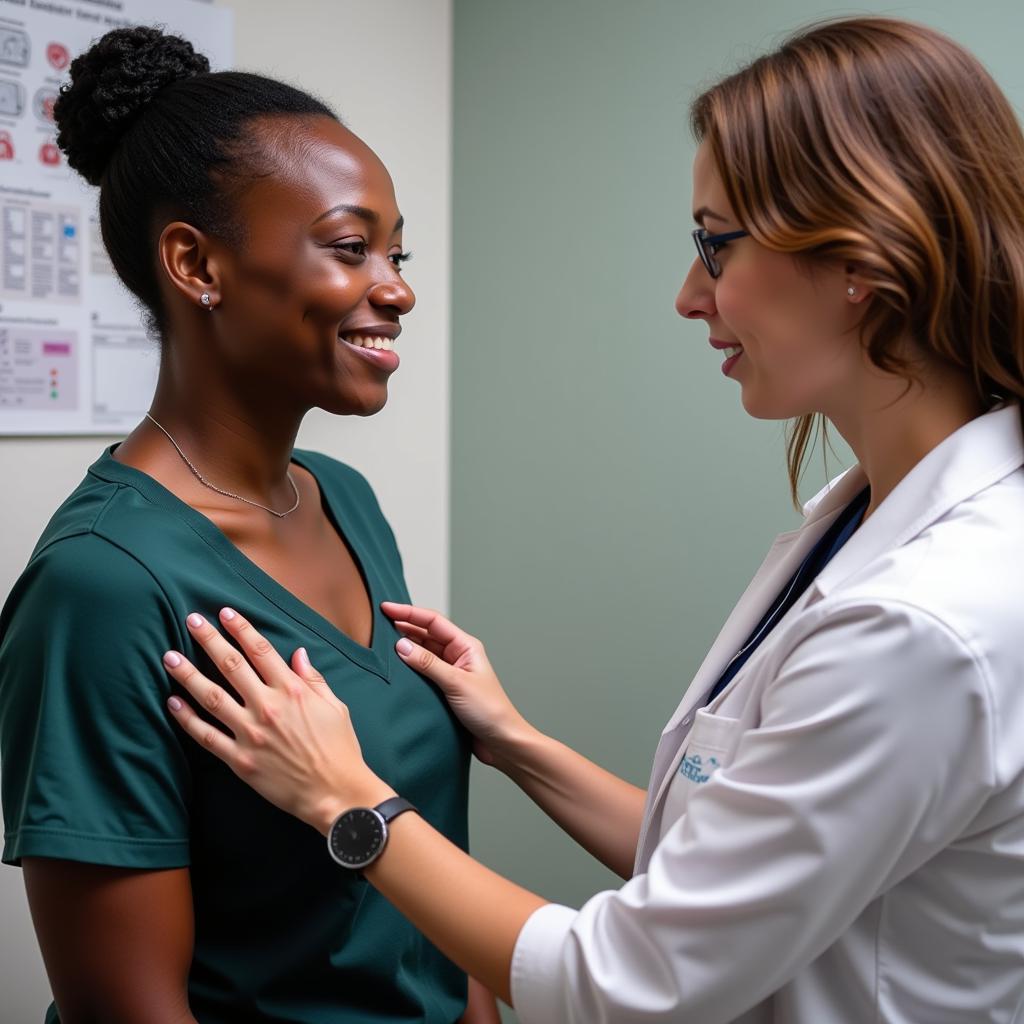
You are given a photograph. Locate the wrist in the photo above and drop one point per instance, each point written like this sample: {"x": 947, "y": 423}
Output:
{"x": 369, "y": 793}
{"x": 515, "y": 745}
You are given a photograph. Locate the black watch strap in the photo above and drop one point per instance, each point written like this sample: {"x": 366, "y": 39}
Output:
{"x": 391, "y": 809}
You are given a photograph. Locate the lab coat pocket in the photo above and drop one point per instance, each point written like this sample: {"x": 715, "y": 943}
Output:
{"x": 709, "y": 747}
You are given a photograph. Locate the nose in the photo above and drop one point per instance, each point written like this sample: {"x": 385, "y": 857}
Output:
{"x": 696, "y": 298}
{"x": 392, "y": 294}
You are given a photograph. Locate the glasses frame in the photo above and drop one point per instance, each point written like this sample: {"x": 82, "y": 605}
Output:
{"x": 708, "y": 245}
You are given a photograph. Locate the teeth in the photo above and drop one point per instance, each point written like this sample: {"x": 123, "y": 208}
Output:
{"x": 359, "y": 341}
{"x": 733, "y": 350}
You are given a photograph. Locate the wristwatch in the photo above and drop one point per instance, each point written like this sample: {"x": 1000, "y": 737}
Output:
{"x": 358, "y": 836}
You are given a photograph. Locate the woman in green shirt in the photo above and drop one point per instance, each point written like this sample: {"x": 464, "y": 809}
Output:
{"x": 264, "y": 242}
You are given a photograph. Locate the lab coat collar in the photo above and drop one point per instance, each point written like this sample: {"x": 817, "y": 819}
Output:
{"x": 834, "y": 495}
{"x": 978, "y": 455}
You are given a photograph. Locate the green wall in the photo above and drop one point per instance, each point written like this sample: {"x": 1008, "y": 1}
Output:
{"x": 610, "y": 498}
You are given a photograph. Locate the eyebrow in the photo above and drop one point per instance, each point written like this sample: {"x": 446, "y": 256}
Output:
{"x": 363, "y": 212}
{"x": 705, "y": 211}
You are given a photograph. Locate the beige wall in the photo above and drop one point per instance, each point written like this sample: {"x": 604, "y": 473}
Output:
{"x": 384, "y": 65}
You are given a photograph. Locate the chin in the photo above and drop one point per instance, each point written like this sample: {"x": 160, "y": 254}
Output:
{"x": 756, "y": 408}
{"x": 762, "y": 408}
{"x": 357, "y": 405}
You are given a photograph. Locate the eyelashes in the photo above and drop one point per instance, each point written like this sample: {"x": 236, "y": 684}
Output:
{"x": 350, "y": 252}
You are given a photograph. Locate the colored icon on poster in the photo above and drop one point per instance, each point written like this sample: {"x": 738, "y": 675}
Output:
{"x": 6, "y": 146}
{"x": 58, "y": 56}
{"x": 49, "y": 154}
{"x": 42, "y": 103}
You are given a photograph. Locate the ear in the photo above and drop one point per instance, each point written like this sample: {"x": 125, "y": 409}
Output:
{"x": 190, "y": 264}
{"x": 856, "y": 288}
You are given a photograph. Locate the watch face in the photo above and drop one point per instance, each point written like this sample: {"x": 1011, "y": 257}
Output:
{"x": 357, "y": 837}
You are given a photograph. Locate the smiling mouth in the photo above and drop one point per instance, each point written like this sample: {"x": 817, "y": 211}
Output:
{"x": 369, "y": 341}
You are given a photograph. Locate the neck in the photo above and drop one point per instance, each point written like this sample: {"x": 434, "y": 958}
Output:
{"x": 891, "y": 427}
{"x": 233, "y": 444}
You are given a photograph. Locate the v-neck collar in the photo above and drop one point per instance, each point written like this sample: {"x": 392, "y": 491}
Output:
{"x": 374, "y": 658}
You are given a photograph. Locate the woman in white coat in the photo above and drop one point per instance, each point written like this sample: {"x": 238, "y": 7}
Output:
{"x": 834, "y": 827}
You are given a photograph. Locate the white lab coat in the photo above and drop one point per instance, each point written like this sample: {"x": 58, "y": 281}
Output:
{"x": 839, "y": 837}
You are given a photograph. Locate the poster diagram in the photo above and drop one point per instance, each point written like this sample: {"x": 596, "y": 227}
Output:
{"x": 74, "y": 355}
{"x": 39, "y": 245}
{"x": 38, "y": 371}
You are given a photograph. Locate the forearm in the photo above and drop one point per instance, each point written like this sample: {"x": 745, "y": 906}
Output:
{"x": 602, "y": 812}
{"x": 441, "y": 890}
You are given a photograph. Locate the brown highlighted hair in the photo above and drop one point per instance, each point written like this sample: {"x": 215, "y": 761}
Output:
{"x": 883, "y": 145}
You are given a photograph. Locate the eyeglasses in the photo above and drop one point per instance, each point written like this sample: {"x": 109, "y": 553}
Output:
{"x": 709, "y": 245}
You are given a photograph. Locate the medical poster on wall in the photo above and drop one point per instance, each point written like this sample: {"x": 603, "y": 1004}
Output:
{"x": 74, "y": 355}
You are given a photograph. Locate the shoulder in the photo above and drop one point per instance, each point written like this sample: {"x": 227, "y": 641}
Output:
{"x": 956, "y": 580}
{"x": 84, "y": 627}
{"x": 870, "y": 638}
{"x": 91, "y": 563}
{"x": 904, "y": 665}
{"x": 961, "y": 574}
{"x": 89, "y": 577}
{"x": 79, "y": 512}
{"x": 105, "y": 526}
{"x": 864, "y": 672}
{"x": 83, "y": 585}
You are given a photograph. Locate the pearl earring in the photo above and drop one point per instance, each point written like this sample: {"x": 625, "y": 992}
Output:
{"x": 205, "y": 300}
{"x": 851, "y": 291}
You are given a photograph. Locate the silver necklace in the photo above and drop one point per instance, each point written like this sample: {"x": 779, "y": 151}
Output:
{"x": 220, "y": 490}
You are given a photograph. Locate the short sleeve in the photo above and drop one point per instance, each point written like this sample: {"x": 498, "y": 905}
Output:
{"x": 91, "y": 768}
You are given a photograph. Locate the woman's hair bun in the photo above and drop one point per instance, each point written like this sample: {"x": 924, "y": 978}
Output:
{"x": 111, "y": 84}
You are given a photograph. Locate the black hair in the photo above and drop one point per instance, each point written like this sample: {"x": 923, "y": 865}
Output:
{"x": 144, "y": 118}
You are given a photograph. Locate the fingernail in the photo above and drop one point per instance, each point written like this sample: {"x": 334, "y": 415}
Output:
{"x": 304, "y": 658}
{"x": 227, "y": 614}
{"x": 174, "y": 704}
{"x": 195, "y": 621}
{"x": 404, "y": 647}
{"x": 172, "y": 660}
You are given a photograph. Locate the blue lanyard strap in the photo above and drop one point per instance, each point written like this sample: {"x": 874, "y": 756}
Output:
{"x": 817, "y": 558}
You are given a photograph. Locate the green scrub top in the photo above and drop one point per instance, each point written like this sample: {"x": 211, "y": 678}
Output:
{"x": 93, "y": 769}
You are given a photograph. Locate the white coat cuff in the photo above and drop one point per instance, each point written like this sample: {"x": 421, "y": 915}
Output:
{"x": 537, "y": 982}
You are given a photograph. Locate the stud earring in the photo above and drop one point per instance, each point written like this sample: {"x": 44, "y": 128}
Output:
{"x": 205, "y": 300}
{"x": 851, "y": 291}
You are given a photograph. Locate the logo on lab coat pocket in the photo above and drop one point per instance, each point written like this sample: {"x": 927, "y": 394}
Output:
{"x": 696, "y": 769}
